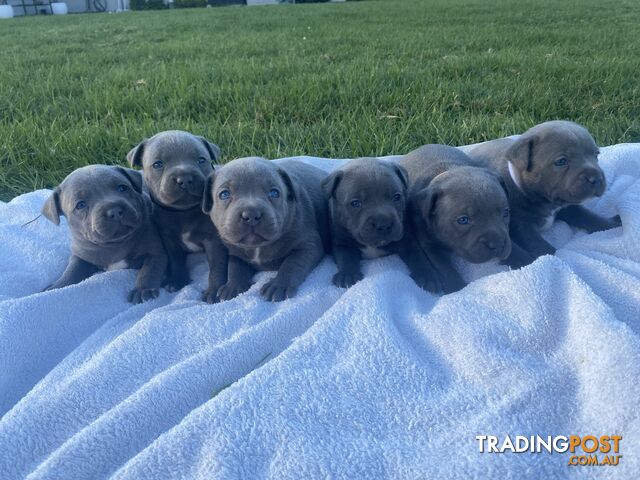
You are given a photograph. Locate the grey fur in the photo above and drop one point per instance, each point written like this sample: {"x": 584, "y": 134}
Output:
{"x": 113, "y": 226}
{"x": 445, "y": 187}
{"x": 367, "y": 203}
{"x": 287, "y": 233}
{"x": 176, "y": 189}
{"x": 546, "y": 190}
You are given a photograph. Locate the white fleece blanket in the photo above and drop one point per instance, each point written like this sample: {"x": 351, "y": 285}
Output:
{"x": 379, "y": 381}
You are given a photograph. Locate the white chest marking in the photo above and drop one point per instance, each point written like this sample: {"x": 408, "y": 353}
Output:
{"x": 192, "y": 247}
{"x": 256, "y": 256}
{"x": 372, "y": 252}
{"x": 548, "y": 222}
{"x": 514, "y": 175}
{"x": 118, "y": 265}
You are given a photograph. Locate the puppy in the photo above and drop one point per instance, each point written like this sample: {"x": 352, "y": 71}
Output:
{"x": 367, "y": 203}
{"x": 548, "y": 171}
{"x": 110, "y": 221}
{"x": 175, "y": 166}
{"x": 457, "y": 208}
{"x": 270, "y": 216}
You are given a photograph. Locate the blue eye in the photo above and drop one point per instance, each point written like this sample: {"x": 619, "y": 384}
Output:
{"x": 80, "y": 205}
{"x": 506, "y": 212}
{"x": 397, "y": 197}
{"x": 462, "y": 220}
{"x": 122, "y": 188}
{"x": 224, "y": 195}
{"x": 561, "y": 162}
{"x": 356, "y": 203}
{"x": 274, "y": 193}
{"x": 201, "y": 160}
{"x": 158, "y": 164}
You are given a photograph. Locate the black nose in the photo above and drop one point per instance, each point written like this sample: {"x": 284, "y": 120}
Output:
{"x": 251, "y": 216}
{"x": 183, "y": 180}
{"x": 381, "y": 225}
{"x": 115, "y": 213}
{"x": 493, "y": 245}
{"x": 592, "y": 178}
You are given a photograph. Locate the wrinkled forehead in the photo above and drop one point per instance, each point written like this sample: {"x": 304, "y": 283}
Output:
{"x": 247, "y": 176}
{"x": 477, "y": 191}
{"x": 574, "y": 142}
{"x": 168, "y": 148}
{"x": 90, "y": 183}
{"x": 369, "y": 181}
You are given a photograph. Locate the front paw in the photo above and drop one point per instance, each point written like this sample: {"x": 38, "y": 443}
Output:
{"x": 276, "y": 291}
{"x": 452, "y": 283}
{"x": 231, "y": 290}
{"x": 211, "y": 294}
{"x": 346, "y": 279}
{"x": 615, "y": 222}
{"x": 139, "y": 295}
{"x": 431, "y": 282}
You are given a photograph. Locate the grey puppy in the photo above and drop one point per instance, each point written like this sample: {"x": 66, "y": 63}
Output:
{"x": 367, "y": 202}
{"x": 548, "y": 171}
{"x": 175, "y": 166}
{"x": 270, "y": 216}
{"x": 456, "y": 207}
{"x": 110, "y": 221}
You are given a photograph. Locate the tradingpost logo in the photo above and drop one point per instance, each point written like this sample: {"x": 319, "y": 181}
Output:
{"x": 587, "y": 450}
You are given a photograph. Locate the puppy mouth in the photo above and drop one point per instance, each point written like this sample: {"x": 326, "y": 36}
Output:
{"x": 112, "y": 235}
{"x": 181, "y": 199}
{"x": 252, "y": 239}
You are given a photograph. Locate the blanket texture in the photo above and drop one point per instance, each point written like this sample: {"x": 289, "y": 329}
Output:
{"x": 379, "y": 381}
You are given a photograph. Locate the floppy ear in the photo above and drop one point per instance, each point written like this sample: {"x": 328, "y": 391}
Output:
{"x": 214, "y": 150}
{"x": 402, "y": 174}
{"x": 287, "y": 181}
{"x": 330, "y": 183}
{"x": 134, "y": 177}
{"x": 503, "y": 185}
{"x": 207, "y": 194}
{"x": 426, "y": 200}
{"x": 521, "y": 152}
{"x": 134, "y": 157}
{"x": 51, "y": 208}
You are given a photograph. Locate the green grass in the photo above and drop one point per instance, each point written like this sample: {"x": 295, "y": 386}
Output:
{"x": 337, "y": 80}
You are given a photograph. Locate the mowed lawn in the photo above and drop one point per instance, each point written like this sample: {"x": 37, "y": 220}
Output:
{"x": 336, "y": 80}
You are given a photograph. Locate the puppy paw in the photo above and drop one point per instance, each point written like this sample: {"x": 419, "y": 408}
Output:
{"x": 347, "y": 279}
{"x": 211, "y": 294}
{"x": 139, "y": 295}
{"x": 231, "y": 290}
{"x": 276, "y": 291}
{"x": 615, "y": 221}
{"x": 429, "y": 282}
{"x": 451, "y": 285}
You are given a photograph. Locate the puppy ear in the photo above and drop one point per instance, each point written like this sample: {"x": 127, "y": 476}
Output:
{"x": 402, "y": 174}
{"x": 521, "y": 152}
{"x": 134, "y": 177}
{"x": 212, "y": 148}
{"x": 426, "y": 200}
{"x": 51, "y": 208}
{"x": 330, "y": 183}
{"x": 207, "y": 194}
{"x": 134, "y": 157}
{"x": 287, "y": 181}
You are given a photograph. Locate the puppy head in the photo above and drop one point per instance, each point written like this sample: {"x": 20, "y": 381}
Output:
{"x": 467, "y": 211}
{"x": 251, "y": 201}
{"x": 103, "y": 204}
{"x": 367, "y": 197}
{"x": 557, "y": 161}
{"x": 175, "y": 165}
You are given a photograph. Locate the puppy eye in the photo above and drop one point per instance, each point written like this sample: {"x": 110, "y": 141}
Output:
{"x": 397, "y": 197}
{"x": 80, "y": 205}
{"x": 506, "y": 212}
{"x": 561, "y": 162}
{"x": 356, "y": 203}
{"x": 462, "y": 220}
{"x": 158, "y": 164}
{"x": 202, "y": 161}
{"x": 122, "y": 188}
{"x": 274, "y": 193}
{"x": 224, "y": 195}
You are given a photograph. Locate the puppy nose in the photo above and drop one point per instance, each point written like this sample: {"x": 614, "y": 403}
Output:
{"x": 592, "y": 178}
{"x": 115, "y": 213}
{"x": 493, "y": 245}
{"x": 381, "y": 225}
{"x": 183, "y": 180}
{"x": 251, "y": 216}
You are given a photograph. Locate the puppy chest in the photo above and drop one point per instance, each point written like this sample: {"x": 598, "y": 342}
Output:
{"x": 547, "y": 222}
{"x": 372, "y": 252}
{"x": 189, "y": 243}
